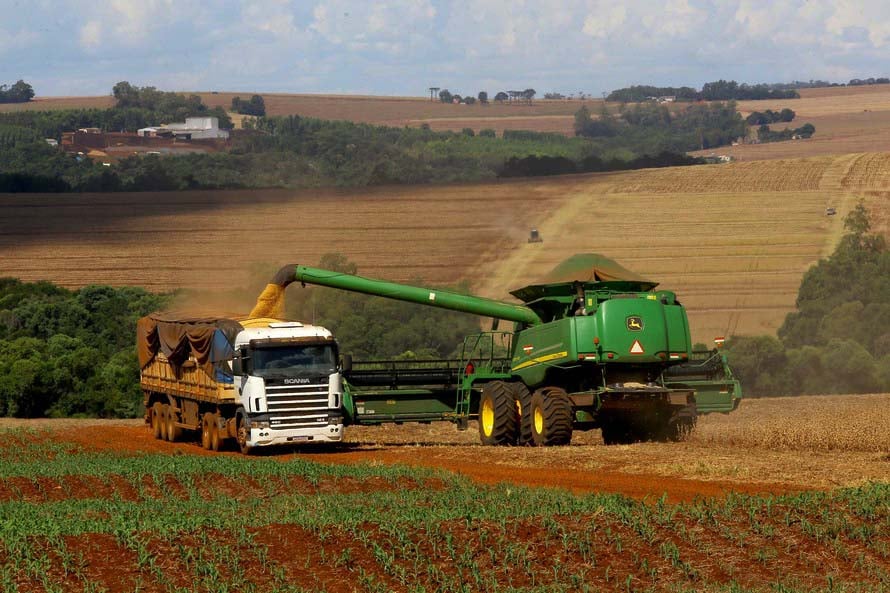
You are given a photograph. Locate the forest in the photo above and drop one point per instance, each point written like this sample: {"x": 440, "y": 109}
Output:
{"x": 837, "y": 340}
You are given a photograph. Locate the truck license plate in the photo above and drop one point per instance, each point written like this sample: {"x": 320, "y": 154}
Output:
{"x": 299, "y": 438}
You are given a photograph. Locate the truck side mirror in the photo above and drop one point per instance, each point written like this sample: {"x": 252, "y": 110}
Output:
{"x": 346, "y": 363}
{"x": 241, "y": 363}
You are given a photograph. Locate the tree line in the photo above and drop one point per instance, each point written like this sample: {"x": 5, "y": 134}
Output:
{"x": 526, "y": 95}
{"x": 769, "y": 116}
{"x": 698, "y": 126}
{"x": 765, "y": 134}
{"x": 70, "y": 353}
{"x": 20, "y": 92}
{"x": 293, "y": 151}
{"x": 838, "y": 339}
{"x": 719, "y": 90}
{"x": 254, "y": 106}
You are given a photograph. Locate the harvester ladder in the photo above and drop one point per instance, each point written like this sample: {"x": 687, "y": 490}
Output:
{"x": 480, "y": 350}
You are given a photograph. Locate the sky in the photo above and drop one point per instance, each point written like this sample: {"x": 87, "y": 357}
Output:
{"x": 403, "y": 47}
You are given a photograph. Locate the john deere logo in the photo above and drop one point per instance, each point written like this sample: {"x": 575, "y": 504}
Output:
{"x": 635, "y": 323}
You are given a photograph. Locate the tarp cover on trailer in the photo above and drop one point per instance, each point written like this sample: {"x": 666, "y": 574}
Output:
{"x": 209, "y": 339}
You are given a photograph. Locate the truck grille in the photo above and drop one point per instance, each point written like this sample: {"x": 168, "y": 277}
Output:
{"x": 295, "y": 406}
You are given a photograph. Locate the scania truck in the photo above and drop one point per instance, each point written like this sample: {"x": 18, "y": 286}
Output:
{"x": 259, "y": 381}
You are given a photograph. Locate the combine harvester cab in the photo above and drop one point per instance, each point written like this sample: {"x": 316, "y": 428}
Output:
{"x": 590, "y": 348}
{"x": 260, "y": 381}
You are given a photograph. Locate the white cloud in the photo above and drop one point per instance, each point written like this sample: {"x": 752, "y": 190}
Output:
{"x": 21, "y": 39}
{"x": 270, "y": 16}
{"x": 386, "y": 26}
{"x": 607, "y": 21}
{"x": 395, "y": 45}
{"x": 91, "y": 35}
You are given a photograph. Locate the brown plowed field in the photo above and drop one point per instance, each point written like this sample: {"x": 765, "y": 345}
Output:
{"x": 95, "y": 508}
{"x": 768, "y": 445}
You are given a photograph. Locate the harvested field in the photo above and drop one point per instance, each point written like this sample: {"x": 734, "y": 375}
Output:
{"x": 56, "y": 103}
{"x": 403, "y": 505}
{"x": 847, "y": 120}
{"x": 401, "y": 111}
{"x": 732, "y": 240}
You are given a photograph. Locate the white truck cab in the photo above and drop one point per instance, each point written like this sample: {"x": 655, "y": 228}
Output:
{"x": 288, "y": 381}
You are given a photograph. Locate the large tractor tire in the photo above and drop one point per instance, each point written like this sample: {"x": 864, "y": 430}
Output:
{"x": 523, "y": 399}
{"x": 498, "y": 416}
{"x": 551, "y": 417}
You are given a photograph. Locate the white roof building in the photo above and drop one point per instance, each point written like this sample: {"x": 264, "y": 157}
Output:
{"x": 194, "y": 128}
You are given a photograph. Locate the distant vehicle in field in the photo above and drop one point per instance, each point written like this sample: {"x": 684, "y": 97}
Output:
{"x": 830, "y": 211}
{"x": 535, "y": 237}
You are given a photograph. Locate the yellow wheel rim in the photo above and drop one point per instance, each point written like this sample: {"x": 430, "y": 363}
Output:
{"x": 487, "y": 417}
{"x": 539, "y": 421}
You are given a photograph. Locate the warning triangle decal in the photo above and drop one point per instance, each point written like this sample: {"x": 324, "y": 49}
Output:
{"x": 636, "y": 348}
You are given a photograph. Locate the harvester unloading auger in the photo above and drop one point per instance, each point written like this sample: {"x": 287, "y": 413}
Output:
{"x": 590, "y": 349}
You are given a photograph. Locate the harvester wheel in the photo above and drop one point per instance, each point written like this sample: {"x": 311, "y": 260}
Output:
{"x": 157, "y": 420}
{"x": 206, "y": 428}
{"x": 523, "y": 399}
{"x": 215, "y": 437}
{"x": 551, "y": 417}
{"x": 173, "y": 431}
{"x": 498, "y": 416}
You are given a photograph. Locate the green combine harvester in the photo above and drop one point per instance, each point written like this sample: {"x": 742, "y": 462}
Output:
{"x": 593, "y": 346}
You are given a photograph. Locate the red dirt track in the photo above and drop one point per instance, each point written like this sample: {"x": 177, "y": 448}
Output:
{"x": 484, "y": 465}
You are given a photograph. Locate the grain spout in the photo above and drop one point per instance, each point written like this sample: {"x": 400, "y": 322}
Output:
{"x": 270, "y": 303}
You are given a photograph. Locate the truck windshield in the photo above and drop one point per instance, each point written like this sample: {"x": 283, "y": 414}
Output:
{"x": 294, "y": 360}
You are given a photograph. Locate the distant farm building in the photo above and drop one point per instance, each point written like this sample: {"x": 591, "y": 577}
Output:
{"x": 194, "y": 128}
{"x": 196, "y": 135}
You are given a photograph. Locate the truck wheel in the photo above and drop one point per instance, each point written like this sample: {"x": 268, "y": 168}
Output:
{"x": 173, "y": 431}
{"x": 551, "y": 417}
{"x": 498, "y": 417}
{"x": 243, "y": 436}
{"x": 157, "y": 421}
{"x": 215, "y": 437}
{"x": 523, "y": 398}
{"x": 206, "y": 427}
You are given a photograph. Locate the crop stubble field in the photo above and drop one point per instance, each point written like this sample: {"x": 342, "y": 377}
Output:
{"x": 101, "y": 506}
{"x": 732, "y": 240}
